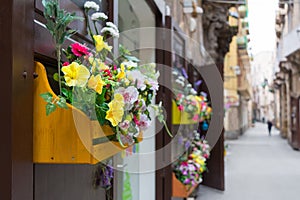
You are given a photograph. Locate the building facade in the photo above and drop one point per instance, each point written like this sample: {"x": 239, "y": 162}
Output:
{"x": 237, "y": 79}
{"x": 287, "y": 80}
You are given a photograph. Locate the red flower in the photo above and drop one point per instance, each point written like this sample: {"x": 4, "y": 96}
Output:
{"x": 180, "y": 107}
{"x": 65, "y": 64}
{"x": 79, "y": 50}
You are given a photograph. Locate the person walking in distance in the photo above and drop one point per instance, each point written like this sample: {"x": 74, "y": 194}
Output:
{"x": 270, "y": 124}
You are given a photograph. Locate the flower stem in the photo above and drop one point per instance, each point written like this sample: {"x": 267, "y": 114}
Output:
{"x": 167, "y": 129}
{"x": 95, "y": 28}
{"x": 58, "y": 51}
{"x": 88, "y": 25}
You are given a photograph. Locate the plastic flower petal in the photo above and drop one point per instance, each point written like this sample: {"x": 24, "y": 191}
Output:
{"x": 115, "y": 112}
{"x": 100, "y": 44}
{"x": 75, "y": 74}
{"x": 96, "y": 83}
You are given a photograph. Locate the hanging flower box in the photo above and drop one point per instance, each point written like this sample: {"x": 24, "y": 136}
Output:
{"x": 181, "y": 117}
{"x": 179, "y": 189}
{"x": 109, "y": 98}
{"x": 188, "y": 169}
{"x": 67, "y": 135}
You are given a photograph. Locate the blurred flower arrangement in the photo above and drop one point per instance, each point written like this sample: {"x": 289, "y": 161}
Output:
{"x": 187, "y": 100}
{"x": 190, "y": 166}
{"x": 115, "y": 91}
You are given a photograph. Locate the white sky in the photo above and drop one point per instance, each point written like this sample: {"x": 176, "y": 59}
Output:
{"x": 261, "y": 16}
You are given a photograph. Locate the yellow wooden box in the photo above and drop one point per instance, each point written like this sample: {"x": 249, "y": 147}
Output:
{"x": 180, "y": 117}
{"x": 66, "y": 135}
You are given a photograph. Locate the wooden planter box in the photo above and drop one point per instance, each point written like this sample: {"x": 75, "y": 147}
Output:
{"x": 66, "y": 135}
{"x": 179, "y": 189}
{"x": 180, "y": 117}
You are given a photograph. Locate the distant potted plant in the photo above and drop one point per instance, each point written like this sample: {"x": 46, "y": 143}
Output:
{"x": 188, "y": 170}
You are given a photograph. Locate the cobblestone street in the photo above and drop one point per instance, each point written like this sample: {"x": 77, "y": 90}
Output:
{"x": 260, "y": 167}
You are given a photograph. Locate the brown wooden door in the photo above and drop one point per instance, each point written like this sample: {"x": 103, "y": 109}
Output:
{"x": 16, "y": 71}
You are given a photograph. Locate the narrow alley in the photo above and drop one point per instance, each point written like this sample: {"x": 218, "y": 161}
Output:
{"x": 258, "y": 167}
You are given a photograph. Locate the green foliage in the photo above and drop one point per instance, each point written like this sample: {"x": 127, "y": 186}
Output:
{"x": 101, "y": 110}
{"x": 52, "y": 102}
{"x": 58, "y": 20}
{"x": 56, "y": 77}
{"x": 68, "y": 94}
{"x": 62, "y": 103}
{"x": 47, "y": 97}
{"x": 50, "y": 107}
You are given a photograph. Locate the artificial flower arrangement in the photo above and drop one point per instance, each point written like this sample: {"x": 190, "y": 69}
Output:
{"x": 116, "y": 92}
{"x": 187, "y": 100}
{"x": 190, "y": 166}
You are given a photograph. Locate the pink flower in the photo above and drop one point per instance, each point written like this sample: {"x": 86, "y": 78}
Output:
{"x": 144, "y": 122}
{"x": 179, "y": 96}
{"x": 135, "y": 119}
{"x": 154, "y": 85}
{"x": 79, "y": 49}
{"x": 196, "y": 117}
{"x": 124, "y": 125}
{"x": 180, "y": 107}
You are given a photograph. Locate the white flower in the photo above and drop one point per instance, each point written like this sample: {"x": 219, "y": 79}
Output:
{"x": 174, "y": 72}
{"x": 180, "y": 82}
{"x": 138, "y": 77}
{"x": 98, "y": 15}
{"x": 193, "y": 91}
{"x": 130, "y": 95}
{"x": 189, "y": 85}
{"x": 130, "y": 64}
{"x": 112, "y": 25}
{"x": 153, "y": 83}
{"x": 181, "y": 78}
{"x": 111, "y": 31}
{"x": 91, "y": 5}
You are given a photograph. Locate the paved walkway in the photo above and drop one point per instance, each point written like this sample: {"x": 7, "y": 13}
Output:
{"x": 258, "y": 167}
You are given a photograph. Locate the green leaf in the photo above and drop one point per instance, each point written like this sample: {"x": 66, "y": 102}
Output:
{"x": 101, "y": 98}
{"x": 55, "y": 76}
{"x": 62, "y": 103}
{"x": 101, "y": 112}
{"x": 47, "y": 97}
{"x": 132, "y": 58}
{"x": 50, "y": 107}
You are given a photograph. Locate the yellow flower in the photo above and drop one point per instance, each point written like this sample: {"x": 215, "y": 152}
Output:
{"x": 100, "y": 44}
{"x": 97, "y": 63}
{"x": 201, "y": 169}
{"x": 121, "y": 74}
{"x": 199, "y": 161}
{"x": 96, "y": 83}
{"x": 75, "y": 74}
{"x": 208, "y": 110}
{"x": 116, "y": 110}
